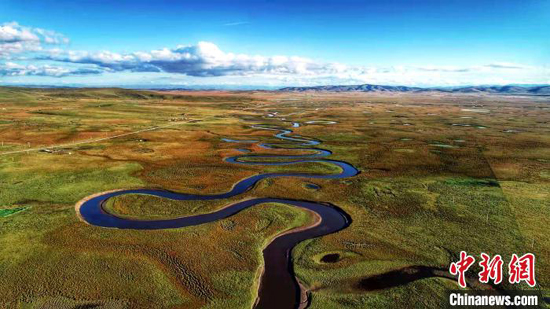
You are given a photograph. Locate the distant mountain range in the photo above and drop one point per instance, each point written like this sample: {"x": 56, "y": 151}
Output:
{"x": 543, "y": 90}
{"x": 510, "y": 89}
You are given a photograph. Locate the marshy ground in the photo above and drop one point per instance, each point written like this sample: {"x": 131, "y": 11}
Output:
{"x": 439, "y": 174}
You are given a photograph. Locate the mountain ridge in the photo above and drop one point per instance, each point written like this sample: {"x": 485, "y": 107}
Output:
{"x": 506, "y": 89}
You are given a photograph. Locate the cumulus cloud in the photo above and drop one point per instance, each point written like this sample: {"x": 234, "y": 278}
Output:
{"x": 205, "y": 62}
{"x": 15, "y": 38}
{"x": 15, "y": 69}
{"x": 204, "y": 59}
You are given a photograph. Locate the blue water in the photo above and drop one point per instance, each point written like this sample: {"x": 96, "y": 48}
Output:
{"x": 312, "y": 186}
{"x": 278, "y": 286}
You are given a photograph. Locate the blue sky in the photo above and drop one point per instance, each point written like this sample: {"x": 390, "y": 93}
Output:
{"x": 274, "y": 43}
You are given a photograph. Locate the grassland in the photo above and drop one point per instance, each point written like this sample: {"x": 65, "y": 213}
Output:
{"x": 432, "y": 183}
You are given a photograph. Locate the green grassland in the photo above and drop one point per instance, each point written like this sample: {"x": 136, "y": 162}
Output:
{"x": 415, "y": 202}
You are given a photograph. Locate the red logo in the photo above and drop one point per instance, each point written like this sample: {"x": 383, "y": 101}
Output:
{"x": 522, "y": 269}
{"x": 491, "y": 268}
{"x": 461, "y": 267}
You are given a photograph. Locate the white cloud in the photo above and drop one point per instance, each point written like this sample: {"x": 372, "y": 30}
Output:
{"x": 15, "y": 39}
{"x": 204, "y": 59}
{"x": 205, "y": 62}
{"x": 15, "y": 69}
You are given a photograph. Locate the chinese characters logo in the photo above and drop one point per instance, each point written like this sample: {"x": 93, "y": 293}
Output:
{"x": 519, "y": 269}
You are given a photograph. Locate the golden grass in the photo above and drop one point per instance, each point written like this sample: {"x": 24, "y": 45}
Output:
{"x": 409, "y": 204}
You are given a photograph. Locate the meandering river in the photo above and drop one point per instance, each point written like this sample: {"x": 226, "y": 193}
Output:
{"x": 279, "y": 287}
